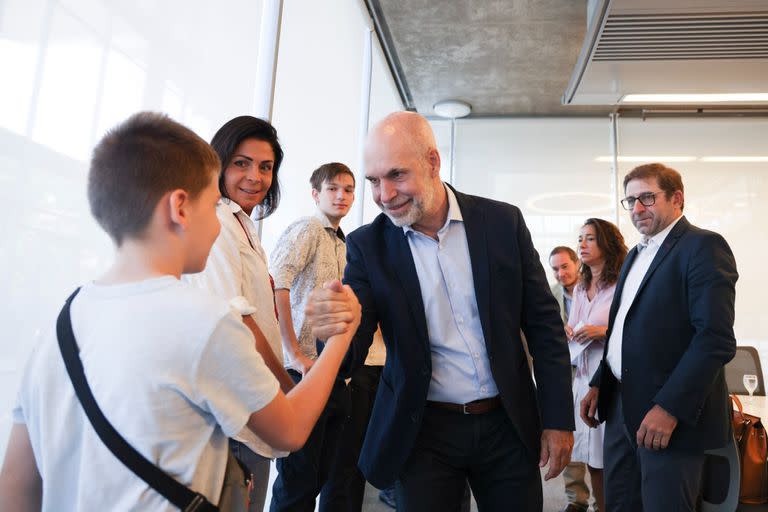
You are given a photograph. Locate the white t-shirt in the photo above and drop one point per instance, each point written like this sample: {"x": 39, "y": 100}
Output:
{"x": 237, "y": 271}
{"x": 171, "y": 367}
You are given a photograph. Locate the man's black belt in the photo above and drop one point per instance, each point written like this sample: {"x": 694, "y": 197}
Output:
{"x": 475, "y": 407}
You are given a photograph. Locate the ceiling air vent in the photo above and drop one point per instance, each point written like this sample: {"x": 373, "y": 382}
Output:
{"x": 700, "y": 36}
{"x": 671, "y": 47}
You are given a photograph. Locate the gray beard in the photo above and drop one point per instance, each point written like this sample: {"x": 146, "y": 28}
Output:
{"x": 415, "y": 213}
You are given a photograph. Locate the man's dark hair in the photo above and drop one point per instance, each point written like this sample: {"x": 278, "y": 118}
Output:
{"x": 137, "y": 162}
{"x": 611, "y": 243}
{"x": 562, "y": 248}
{"x": 327, "y": 172}
{"x": 669, "y": 180}
{"x": 231, "y": 135}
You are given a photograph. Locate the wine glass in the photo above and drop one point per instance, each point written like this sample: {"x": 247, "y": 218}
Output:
{"x": 750, "y": 382}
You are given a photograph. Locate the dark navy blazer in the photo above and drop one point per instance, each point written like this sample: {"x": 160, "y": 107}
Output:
{"x": 678, "y": 336}
{"x": 512, "y": 294}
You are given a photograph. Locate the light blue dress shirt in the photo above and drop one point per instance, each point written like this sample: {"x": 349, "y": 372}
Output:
{"x": 461, "y": 371}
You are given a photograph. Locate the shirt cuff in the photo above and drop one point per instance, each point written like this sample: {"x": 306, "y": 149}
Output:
{"x": 282, "y": 281}
{"x": 242, "y": 305}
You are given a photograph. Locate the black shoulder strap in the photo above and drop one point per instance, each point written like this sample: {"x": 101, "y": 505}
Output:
{"x": 178, "y": 494}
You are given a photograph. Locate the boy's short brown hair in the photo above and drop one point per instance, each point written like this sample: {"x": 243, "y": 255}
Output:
{"x": 137, "y": 162}
{"x": 327, "y": 172}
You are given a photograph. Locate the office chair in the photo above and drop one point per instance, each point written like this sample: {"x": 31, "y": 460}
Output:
{"x": 721, "y": 466}
{"x": 746, "y": 361}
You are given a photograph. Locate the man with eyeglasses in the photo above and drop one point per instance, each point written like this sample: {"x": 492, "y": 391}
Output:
{"x": 661, "y": 385}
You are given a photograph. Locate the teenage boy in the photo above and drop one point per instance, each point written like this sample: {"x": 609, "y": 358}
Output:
{"x": 311, "y": 251}
{"x": 172, "y": 368}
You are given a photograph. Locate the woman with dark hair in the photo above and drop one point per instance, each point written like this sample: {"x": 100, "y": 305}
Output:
{"x": 236, "y": 270}
{"x": 602, "y": 252}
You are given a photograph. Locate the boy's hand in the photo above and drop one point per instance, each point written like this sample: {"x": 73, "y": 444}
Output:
{"x": 332, "y": 310}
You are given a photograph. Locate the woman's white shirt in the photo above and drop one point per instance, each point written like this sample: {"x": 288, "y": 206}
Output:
{"x": 237, "y": 270}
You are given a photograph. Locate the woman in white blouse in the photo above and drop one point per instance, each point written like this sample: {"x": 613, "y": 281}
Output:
{"x": 602, "y": 252}
{"x": 236, "y": 270}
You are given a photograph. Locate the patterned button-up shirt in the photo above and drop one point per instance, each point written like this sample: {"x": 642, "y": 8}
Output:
{"x": 309, "y": 253}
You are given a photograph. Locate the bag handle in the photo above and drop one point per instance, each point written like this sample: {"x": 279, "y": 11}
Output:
{"x": 736, "y": 400}
{"x": 180, "y": 495}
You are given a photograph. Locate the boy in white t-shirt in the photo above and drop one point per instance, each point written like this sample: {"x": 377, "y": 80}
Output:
{"x": 171, "y": 367}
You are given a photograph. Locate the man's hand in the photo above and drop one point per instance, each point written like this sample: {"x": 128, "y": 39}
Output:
{"x": 656, "y": 429}
{"x": 588, "y": 407}
{"x": 556, "y": 446}
{"x": 333, "y": 309}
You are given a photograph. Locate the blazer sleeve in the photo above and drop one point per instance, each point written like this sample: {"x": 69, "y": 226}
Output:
{"x": 357, "y": 277}
{"x": 711, "y": 288}
{"x": 543, "y": 327}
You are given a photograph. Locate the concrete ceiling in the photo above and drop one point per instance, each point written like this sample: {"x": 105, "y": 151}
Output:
{"x": 503, "y": 57}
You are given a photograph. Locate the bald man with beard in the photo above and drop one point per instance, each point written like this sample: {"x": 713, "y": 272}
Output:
{"x": 452, "y": 279}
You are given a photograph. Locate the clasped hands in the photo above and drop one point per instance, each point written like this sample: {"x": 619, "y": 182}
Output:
{"x": 654, "y": 432}
{"x": 333, "y": 309}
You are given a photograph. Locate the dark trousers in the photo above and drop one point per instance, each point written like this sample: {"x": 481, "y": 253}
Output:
{"x": 345, "y": 488}
{"x": 303, "y": 474}
{"x": 484, "y": 449}
{"x": 638, "y": 479}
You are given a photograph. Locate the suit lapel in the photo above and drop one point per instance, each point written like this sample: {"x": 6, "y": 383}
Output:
{"x": 475, "y": 229}
{"x": 666, "y": 247}
{"x": 409, "y": 279}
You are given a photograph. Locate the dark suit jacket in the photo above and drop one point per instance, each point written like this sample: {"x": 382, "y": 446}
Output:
{"x": 678, "y": 336}
{"x": 512, "y": 294}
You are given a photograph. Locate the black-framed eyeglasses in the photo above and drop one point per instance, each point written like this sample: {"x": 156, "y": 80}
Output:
{"x": 646, "y": 199}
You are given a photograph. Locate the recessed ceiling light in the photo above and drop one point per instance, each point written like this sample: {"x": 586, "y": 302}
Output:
{"x": 452, "y": 109}
{"x": 734, "y": 159}
{"x": 648, "y": 159}
{"x": 570, "y": 203}
{"x": 756, "y": 97}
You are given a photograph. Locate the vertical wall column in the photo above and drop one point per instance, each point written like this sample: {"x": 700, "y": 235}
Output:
{"x": 452, "y": 175}
{"x": 365, "y": 109}
{"x": 614, "y": 145}
{"x": 266, "y": 62}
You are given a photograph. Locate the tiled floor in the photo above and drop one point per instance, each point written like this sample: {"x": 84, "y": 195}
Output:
{"x": 554, "y": 499}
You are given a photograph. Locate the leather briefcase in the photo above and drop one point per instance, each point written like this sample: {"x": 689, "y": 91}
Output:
{"x": 753, "y": 453}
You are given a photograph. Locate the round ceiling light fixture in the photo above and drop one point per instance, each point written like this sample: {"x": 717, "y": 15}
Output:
{"x": 452, "y": 109}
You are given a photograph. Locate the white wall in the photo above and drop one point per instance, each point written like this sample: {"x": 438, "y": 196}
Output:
{"x": 724, "y": 195}
{"x": 546, "y": 167}
{"x": 73, "y": 68}
{"x": 318, "y": 100}
{"x": 552, "y": 169}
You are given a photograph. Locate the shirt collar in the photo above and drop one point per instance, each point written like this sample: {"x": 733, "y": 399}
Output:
{"x": 233, "y": 206}
{"x": 454, "y": 212}
{"x": 327, "y": 224}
